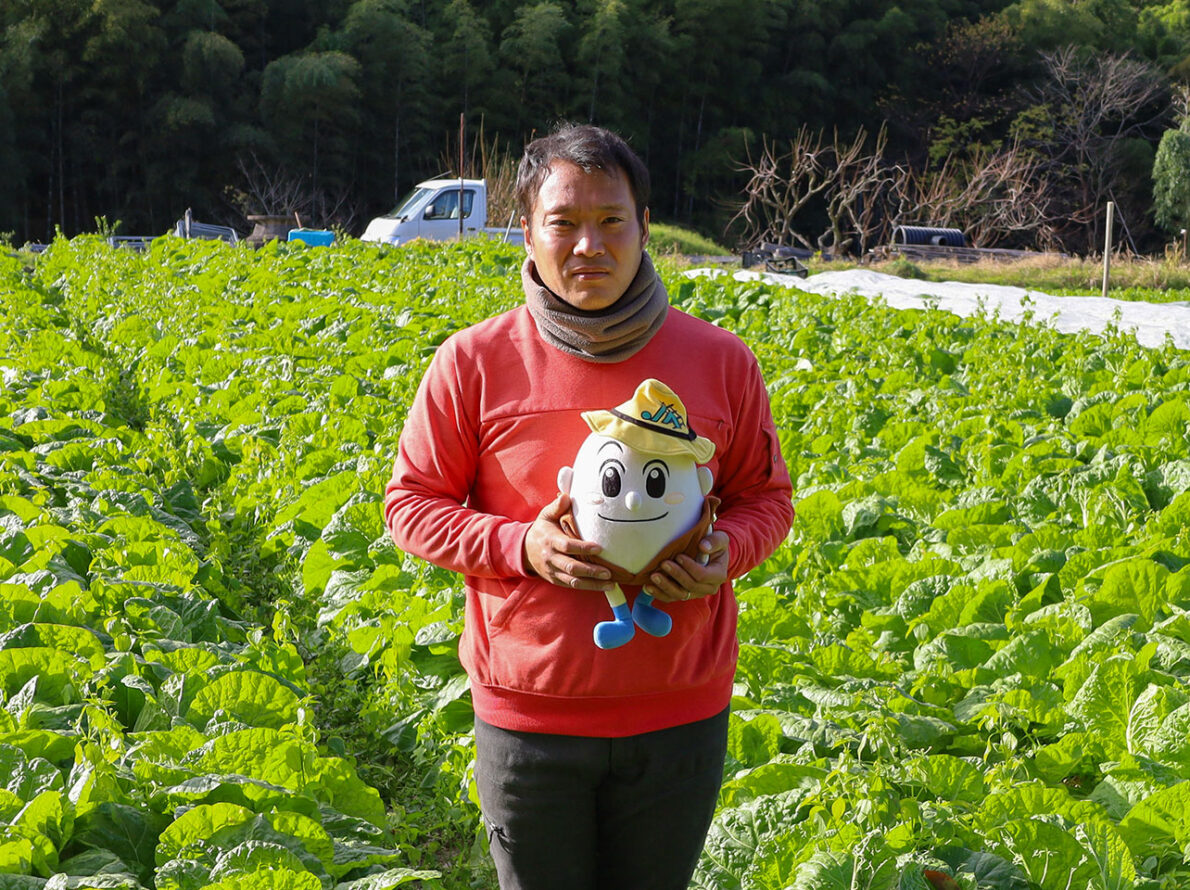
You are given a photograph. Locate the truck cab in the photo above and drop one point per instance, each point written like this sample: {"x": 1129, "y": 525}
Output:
{"x": 431, "y": 211}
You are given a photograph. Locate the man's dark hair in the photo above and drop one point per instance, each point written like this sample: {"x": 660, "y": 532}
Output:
{"x": 589, "y": 147}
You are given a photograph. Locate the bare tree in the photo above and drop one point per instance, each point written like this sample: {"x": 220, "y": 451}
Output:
{"x": 782, "y": 183}
{"x": 1008, "y": 196}
{"x": 842, "y": 177}
{"x": 924, "y": 197}
{"x": 857, "y": 193}
{"x": 273, "y": 191}
{"x": 268, "y": 190}
{"x": 1091, "y": 105}
{"x": 992, "y": 196}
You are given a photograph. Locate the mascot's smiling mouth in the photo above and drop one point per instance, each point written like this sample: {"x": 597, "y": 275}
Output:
{"x": 650, "y": 519}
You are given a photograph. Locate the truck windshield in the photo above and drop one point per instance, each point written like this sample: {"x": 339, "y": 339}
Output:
{"x": 406, "y": 202}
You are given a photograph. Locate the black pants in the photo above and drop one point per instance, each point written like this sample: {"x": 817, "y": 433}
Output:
{"x": 577, "y": 813}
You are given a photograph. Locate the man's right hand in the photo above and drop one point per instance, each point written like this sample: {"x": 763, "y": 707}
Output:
{"x": 557, "y": 557}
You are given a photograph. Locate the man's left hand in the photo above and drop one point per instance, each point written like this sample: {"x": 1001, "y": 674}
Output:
{"x": 683, "y": 578}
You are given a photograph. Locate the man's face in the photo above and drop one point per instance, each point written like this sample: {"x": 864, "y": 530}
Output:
{"x": 584, "y": 236}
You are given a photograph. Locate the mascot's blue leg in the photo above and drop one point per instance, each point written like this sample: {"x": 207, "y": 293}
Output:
{"x": 610, "y": 634}
{"x": 649, "y": 618}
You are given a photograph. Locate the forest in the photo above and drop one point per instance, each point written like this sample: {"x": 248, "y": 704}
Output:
{"x": 1018, "y": 121}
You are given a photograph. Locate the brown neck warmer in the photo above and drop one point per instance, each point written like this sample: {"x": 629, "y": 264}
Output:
{"x": 607, "y": 335}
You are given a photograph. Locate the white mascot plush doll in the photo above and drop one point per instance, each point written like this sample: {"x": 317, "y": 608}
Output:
{"x": 637, "y": 489}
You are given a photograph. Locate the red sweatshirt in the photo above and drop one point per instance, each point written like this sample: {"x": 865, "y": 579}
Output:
{"x": 495, "y": 418}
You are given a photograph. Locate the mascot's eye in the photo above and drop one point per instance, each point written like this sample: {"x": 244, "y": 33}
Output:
{"x": 611, "y": 482}
{"x": 655, "y": 482}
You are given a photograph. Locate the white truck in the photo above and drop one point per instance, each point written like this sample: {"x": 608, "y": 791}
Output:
{"x": 431, "y": 211}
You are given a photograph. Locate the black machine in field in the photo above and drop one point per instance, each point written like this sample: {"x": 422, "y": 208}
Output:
{"x": 777, "y": 258}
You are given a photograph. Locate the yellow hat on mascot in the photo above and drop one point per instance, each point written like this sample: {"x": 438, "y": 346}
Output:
{"x": 653, "y": 421}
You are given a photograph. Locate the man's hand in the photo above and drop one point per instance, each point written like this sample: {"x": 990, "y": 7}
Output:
{"x": 558, "y": 558}
{"x": 682, "y": 578}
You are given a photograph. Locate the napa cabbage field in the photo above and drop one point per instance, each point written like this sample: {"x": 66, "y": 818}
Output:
{"x": 964, "y": 670}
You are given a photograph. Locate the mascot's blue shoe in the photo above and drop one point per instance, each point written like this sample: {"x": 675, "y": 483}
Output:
{"x": 649, "y": 618}
{"x": 610, "y": 634}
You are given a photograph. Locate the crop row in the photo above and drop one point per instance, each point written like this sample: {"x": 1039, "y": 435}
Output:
{"x": 973, "y": 649}
{"x": 965, "y": 668}
{"x": 156, "y": 731}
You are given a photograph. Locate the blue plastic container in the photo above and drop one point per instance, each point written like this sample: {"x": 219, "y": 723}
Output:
{"x": 315, "y": 237}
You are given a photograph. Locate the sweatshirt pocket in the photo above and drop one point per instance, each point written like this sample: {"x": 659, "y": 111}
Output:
{"x": 507, "y": 606}
{"x": 539, "y": 639}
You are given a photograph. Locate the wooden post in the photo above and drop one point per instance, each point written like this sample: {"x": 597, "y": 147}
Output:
{"x": 461, "y": 120}
{"x": 1107, "y": 246}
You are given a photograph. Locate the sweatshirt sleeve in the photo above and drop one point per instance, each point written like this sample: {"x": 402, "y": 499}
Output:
{"x": 425, "y": 504}
{"x": 757, "y": 509}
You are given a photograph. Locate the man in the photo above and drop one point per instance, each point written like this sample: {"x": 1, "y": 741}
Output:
{"x": 596, "y": 768}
